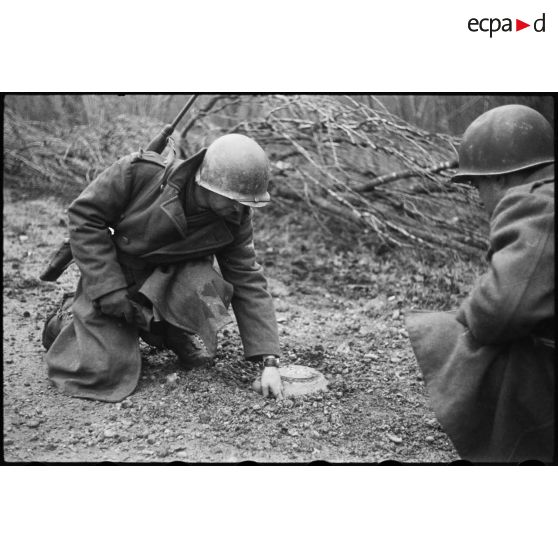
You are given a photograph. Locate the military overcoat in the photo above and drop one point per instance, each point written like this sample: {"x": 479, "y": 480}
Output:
{"x": 489, "y": 367}
{"x": 158, "y": 243}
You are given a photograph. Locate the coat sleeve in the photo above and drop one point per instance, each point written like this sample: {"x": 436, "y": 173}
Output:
{"x": 251, "y": 301}
{"x": 517, "y": 292}
{"x": 97, "y": 208}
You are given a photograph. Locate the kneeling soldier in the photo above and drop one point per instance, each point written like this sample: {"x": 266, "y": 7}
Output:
{"x": 144, "y": 235}
{"x": 489, "y": 368}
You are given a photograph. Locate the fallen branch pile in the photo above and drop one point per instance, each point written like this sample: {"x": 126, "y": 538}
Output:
{"x": 346, "y": 159}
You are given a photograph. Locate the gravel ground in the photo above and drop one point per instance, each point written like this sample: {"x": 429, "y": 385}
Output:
{"x": 340, "y": 313}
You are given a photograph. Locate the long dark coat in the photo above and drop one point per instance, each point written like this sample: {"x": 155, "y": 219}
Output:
{"x": 162, "y": 247}
{"x": 489, "y": 367}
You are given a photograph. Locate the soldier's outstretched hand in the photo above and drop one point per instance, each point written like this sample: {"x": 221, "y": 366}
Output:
{"x": 271, "y": 382}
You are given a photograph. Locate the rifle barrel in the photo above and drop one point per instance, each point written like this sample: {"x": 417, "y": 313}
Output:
{"x": 188, "y": 104}
{"x": 158, "y": 143}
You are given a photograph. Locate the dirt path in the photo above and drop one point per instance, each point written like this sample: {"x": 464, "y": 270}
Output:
{"x": 375, "y": 408}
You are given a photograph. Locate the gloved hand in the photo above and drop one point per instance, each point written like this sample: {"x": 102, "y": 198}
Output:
{"x": 116, "y": 304}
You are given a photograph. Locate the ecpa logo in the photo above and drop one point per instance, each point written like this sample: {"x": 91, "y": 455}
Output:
{"x": 492, "y": 25}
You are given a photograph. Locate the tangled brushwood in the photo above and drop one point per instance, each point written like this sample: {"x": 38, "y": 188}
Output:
{"x": 344, "y": 159}
{"x": 52, "y": 158}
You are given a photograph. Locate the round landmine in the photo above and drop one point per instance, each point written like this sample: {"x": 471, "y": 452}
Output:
{"x": 298, "y": 380}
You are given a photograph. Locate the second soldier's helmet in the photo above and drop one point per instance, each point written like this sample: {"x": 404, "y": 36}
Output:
{"x": 236, "y": 167}
{"x": 505, "y": 139}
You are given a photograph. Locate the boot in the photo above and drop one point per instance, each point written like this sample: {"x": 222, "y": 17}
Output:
{"x": 56, "y": 321}
{"x": 189, "y": 347}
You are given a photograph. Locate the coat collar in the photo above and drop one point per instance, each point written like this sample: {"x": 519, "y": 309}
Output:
{"x": 179, "y": 172}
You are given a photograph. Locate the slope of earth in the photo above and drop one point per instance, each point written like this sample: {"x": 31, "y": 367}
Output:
{"x": 341, "y": 313}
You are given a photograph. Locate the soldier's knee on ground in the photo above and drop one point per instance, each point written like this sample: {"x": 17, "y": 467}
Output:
{"x": 57, "y": 320}
{"x": 190, "y": 348}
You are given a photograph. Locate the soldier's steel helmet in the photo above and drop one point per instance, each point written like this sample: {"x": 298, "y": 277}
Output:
{"x": 505, "y": 139}
{"x": 236, "y": 167}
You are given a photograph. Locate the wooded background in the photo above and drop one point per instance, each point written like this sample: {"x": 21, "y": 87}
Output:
{"x": 448, "y": 114}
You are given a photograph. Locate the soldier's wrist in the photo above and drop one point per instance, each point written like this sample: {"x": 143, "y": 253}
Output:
{"x": 269, "y": 361}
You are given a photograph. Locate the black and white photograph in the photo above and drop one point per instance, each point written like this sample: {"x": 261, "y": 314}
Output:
{"x": 284, "y": 278}
{"x": 278, "y": 279}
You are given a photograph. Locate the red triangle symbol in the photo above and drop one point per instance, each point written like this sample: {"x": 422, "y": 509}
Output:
{"x": 519, "y": 25}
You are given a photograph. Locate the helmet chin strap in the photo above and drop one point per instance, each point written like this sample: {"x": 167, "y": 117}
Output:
{"x": 528, "y": 175}
{"x": 542, "y": 172}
